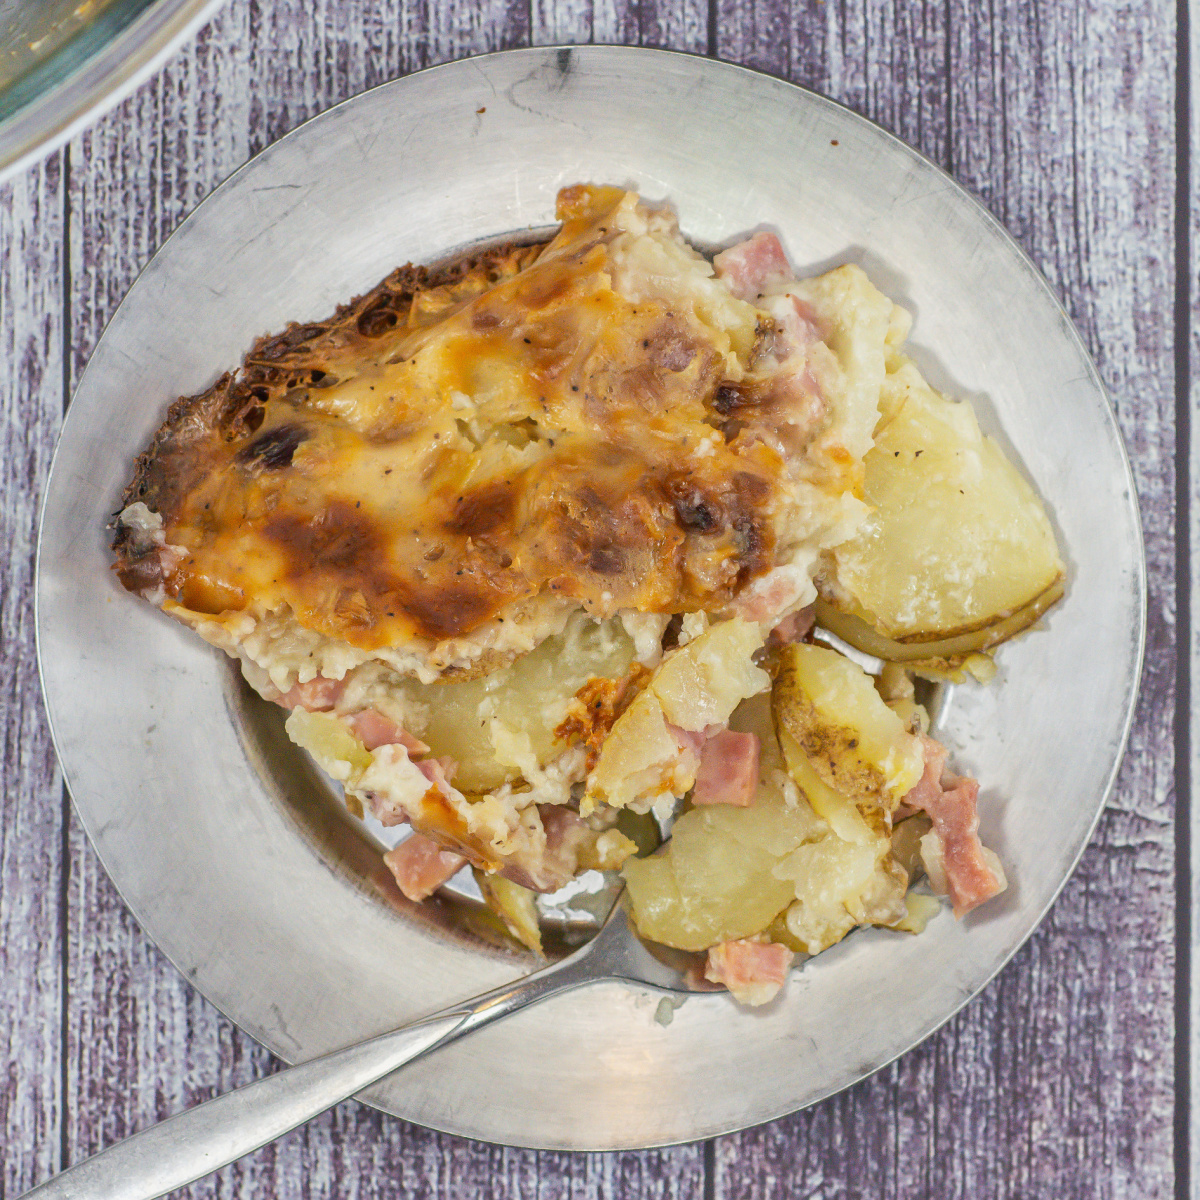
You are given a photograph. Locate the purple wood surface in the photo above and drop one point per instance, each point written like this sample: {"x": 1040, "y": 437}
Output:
{"x": 31, "y": 797}
{"x": 1187, "y": 325}
{"x": 1059, "y": 1080}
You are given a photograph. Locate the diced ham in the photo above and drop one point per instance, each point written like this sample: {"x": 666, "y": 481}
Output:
{"x": 798, "y": 325}
{"x": 972, "y": 872}
{"x": 317, "y": 694}
{"x": 753, "y": 971}
{"x": 439, "y": 772}
{"x": 773, "y": 593}
{"x": 750, "y": 267}
{"x": 928, "y": 789}
{"x": 728, "y": 771}
{"x": 421, "y": 866}
{"x": 794, "y": 627}
{"x": 373, "y": 729}
{"x": 691, "y": 742}
{"x": 807, "y": 325}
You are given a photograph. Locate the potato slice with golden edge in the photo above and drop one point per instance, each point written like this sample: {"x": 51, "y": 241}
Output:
{"x": 500, "y": 725}
{"x": 805, "y": 874}
{"x": 704, "y": 681}
{"x": 827, "y": 709}
{"x": 698, "y": 685}
{"x": 514, "y": 905}
{"x": 945, "y": 657}
{"x": 714, "y": 880}
{"x": 639, "y": 761}
{"x": 845, "y": 819}
{"x": 958, "y": 553}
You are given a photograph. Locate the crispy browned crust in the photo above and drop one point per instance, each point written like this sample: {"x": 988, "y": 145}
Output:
{"x": 611, "y": 510}
{"x": 298, "y": 358}
{"x": 596, "y": 707}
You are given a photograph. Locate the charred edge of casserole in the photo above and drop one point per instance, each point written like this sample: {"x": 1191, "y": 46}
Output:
{"x": 299, "y": 357}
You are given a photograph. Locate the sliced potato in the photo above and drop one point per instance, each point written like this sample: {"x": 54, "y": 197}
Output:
{"x": 858, "y": 747}
{"x": 714, "y": 880}
{"x": 845, "y": 819}
{"x": 958, "y": 552}
{"x": 639, "y": 761}
{"x": 863, "y": 325}
{"x": 330, "y": 742}
{"x": 776, "y": 866}
{"x": 698, "y": 685}
{"x": 501, "y": 725}
{"x": 829, "y": 879}
{"x": 943, "y": 656}
{"x": 709, "y": 885}
{"x": 514, "y": 905}
{"x": 703, "y": 682}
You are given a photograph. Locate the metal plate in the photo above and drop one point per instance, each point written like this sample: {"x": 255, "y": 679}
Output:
{"x": 222, "y": 841}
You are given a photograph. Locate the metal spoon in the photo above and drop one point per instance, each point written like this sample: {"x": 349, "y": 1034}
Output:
{"x": 192, "y": 1143}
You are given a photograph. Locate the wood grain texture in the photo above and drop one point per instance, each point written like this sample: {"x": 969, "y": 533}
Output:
{"x": 1058, "y": 1080}
{"x": 1060, "y": 118}
{"x": 1188, "y": 379}
{"x": 31, "y": 799}
{"x": 666, "y": 24}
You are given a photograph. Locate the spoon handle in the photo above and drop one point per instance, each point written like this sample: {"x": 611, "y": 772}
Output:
{"x": 198, "y": 1140}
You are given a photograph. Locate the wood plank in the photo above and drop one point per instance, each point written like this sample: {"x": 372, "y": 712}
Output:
{"x": 666, "y": 24}
{"x": 1060, "y": 117}
{"x": 1190, "y": 354}
{"x": 1081, "y": 166}
{"x": 31, "y": 800}
{"x": 141, "y": 1043}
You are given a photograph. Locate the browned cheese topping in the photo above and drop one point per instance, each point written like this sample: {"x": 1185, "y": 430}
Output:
{"x": 456, "y": 442}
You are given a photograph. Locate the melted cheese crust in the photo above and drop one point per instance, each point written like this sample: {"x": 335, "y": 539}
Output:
{"x": 597, "y": 430}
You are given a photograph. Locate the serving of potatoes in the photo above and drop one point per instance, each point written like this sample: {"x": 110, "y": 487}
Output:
{"x": 698, "y": 685}
{"x": 801, "y": 863}
{"x": 502, "y": 725}
{"x": 957, "y": 554}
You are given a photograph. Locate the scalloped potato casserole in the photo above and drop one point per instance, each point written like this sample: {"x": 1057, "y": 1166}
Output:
{"x": 544, "y": 546}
